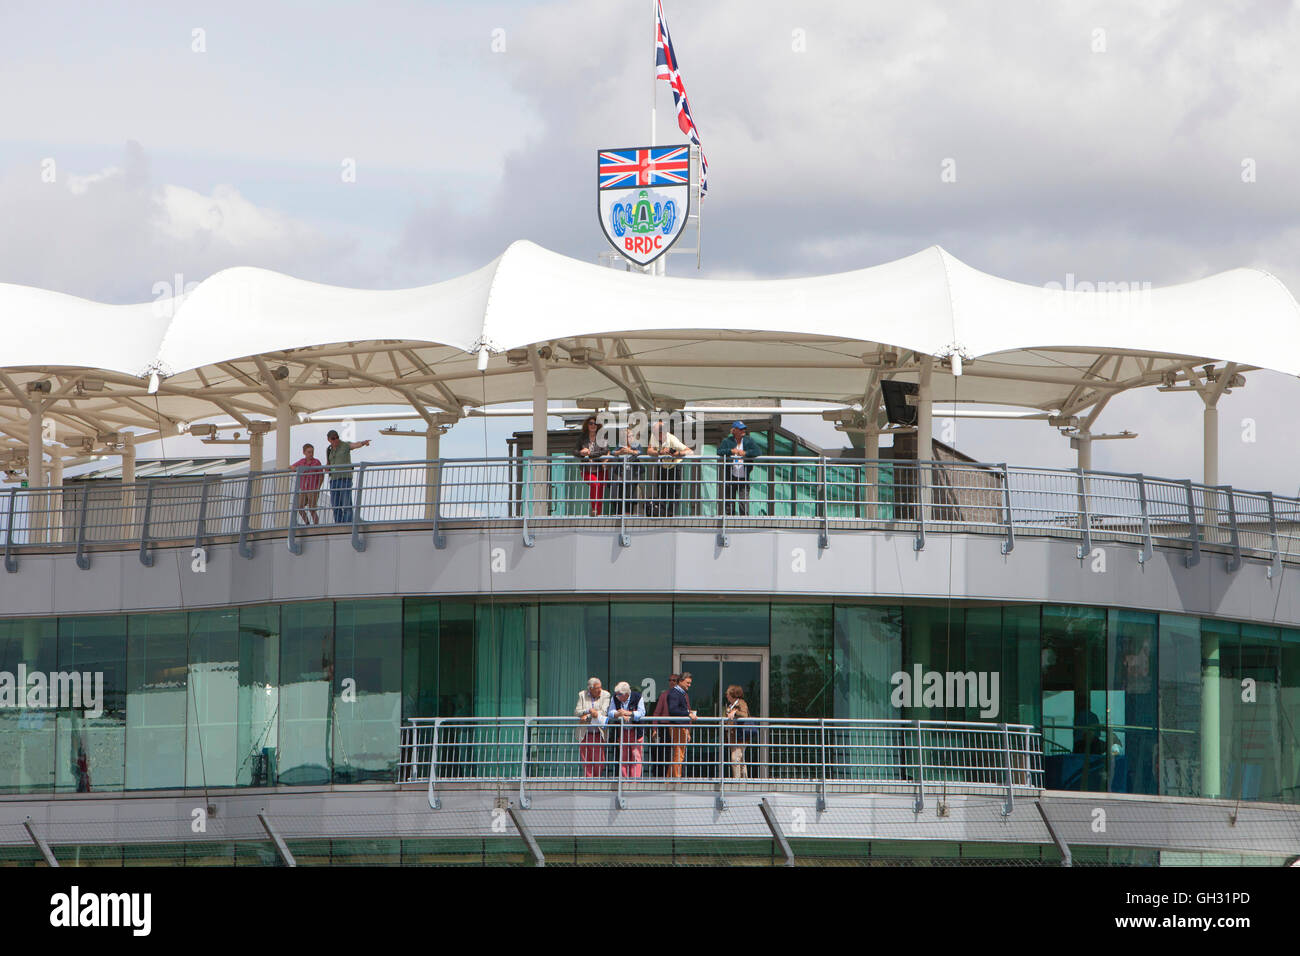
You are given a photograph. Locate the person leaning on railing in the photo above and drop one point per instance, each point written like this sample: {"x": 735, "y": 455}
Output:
{"x": 624, "y": 475}
{"x": 624, "y": 723}
{"x": 737, "y": 452}
{"x": 310, "y": 478}
{"x": 339, "y": 458}
{"x": 664, "y": 487}
{"x": 592, "y": 711}
{"x": 591, "y": 448}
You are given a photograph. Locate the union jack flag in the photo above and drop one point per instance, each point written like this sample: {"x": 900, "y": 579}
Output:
{"x": 666, "y": 69}
{"x": 648, "y": 166}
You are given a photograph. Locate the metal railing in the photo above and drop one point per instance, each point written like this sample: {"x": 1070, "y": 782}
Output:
{"x": 627, "y": 494}
{"x": 918, "y": 757}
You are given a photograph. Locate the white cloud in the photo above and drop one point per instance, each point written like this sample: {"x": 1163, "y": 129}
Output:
{"x": 111, "y": 234}
{"x": 1122, "y": 165}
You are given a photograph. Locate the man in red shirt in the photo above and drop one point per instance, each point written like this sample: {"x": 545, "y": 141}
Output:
{"x": 311, "y": 477}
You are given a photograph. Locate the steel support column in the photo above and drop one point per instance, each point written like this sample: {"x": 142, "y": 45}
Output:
{"x": 36, "y": 475}
{"x": 432, "y": 448}
{"x": 128, "y": 477}
{"x": 283, "y": 440}
{"x": 539, "y": 480}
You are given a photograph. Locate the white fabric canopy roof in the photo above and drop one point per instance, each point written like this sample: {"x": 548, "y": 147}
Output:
{"x": 828, "y": 338}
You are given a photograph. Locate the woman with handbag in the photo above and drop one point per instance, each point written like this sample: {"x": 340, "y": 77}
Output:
{"x": 737, "y": 718}
{"x": 592, "y": 448}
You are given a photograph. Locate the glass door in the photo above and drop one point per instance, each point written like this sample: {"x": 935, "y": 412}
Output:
{"x": 713, "y": 670}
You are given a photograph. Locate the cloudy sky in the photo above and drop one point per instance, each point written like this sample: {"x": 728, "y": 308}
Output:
{"x": 1143, "y": 142}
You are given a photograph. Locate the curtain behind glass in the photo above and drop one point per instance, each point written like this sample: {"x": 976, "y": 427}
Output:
{"x": 868, "y": 652}
{"x": 564, "y": 665}
{"x": 501, "y": 682}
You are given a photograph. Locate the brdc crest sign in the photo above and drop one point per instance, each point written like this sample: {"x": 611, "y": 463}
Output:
{"x": 643, "y": 198}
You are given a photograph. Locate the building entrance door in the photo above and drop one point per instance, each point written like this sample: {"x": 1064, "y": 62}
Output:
{"x": 713, "y": 670}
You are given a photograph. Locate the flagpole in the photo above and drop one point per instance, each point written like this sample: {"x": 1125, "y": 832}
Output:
{"x": 659, "y": 268}
{"x": 654, "y": 81}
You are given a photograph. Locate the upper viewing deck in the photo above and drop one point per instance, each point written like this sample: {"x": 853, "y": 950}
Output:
{"x": 628, "y": 495}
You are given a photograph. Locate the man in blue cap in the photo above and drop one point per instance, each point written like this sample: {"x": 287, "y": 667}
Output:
{"x": 737, "y": 452}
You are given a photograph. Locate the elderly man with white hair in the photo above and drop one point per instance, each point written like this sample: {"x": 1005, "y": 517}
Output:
{"x": 592, "y": 709}
{"x": 624, "y": 720}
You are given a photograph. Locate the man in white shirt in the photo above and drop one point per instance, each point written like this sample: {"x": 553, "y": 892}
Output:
{"x": 666, "y": 486}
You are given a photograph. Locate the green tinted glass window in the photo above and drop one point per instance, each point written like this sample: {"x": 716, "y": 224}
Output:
{"x": 306, "y": 684}
{"x": 212, "y": 752}
{"x": 91, "y": 755}
{"x": 27, "y": 737}
{"x": 367, "y": 689}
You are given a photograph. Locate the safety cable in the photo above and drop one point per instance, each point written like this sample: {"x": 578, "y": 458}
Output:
{"x": 929, "y": 442}
{"x": 492, "y": 616}
{"x": 198, "y": 720}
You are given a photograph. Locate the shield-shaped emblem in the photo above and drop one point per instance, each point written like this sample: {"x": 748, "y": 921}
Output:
{"x": 643, "y": 198}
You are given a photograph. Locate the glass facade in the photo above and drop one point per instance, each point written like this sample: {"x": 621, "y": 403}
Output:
{"x": 776, "y": 488}
{"x": 314, "y": 693}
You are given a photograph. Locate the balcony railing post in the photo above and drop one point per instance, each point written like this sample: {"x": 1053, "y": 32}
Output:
{"x": 1193, "y": 528}
{"x": 146, "y": 558}
{"x": 722, "y": 762}
{"x": 919, "y": 803}
{"x": 245, "y": 518}
{"x": 11, "y": 565}
{"x": 821, "y": 781}
{"x": 439, "y": 540}
{"x": 921, "y": 495}
{"x": 1145, "y": 554}
{"x": 526, "y": 501}
{"x": 1275, "y": 565}
{"x": 1006, "y": 754}
{"x": 624, "y": 502}
{"x": 618, "y": 768}
{"x": 1234, "y": 562}
{"x": 294, "y": 545}
{"x": 1008, "y": 545}
{"x": 83, "y": 559}
{"x": 200, "y": 527}
{"x": 524, "y": 802}
{"x": 358, "y": 543}
{"x": 823, "y": 539}
{"x": 255, "y": 514}
{"x": 723, "y": 540}
{"x": 435, "y": 802}
{"x": 1085, "y": 517}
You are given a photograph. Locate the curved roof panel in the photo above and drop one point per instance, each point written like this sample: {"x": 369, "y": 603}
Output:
{"x": 246, "y": 340}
